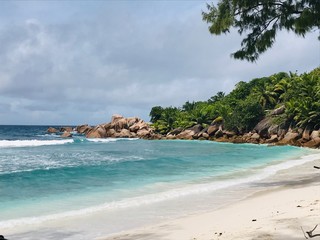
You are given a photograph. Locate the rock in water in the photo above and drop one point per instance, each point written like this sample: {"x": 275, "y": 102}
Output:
{"x": 52, "y": 130}
{"x": 66, "y": 134}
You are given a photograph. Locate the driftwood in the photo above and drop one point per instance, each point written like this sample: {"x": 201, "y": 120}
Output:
{"x": 310, "y": 233}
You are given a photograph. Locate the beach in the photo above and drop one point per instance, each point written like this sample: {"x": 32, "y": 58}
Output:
{"x": 285, "y": 205}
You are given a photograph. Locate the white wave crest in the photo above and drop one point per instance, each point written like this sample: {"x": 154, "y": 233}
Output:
{"x": 32, "y": 143}
{"x": 109, "y": 139}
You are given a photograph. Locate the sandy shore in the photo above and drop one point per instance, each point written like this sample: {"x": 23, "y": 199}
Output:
{"x": 283, "y": 206}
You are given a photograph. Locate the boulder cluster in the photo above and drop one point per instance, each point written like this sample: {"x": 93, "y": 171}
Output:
{"x": 273, "y": 134}
{"x": 119, "y": 127}
{"x": 66, "y": 131}
{"x": 266, "y": 131}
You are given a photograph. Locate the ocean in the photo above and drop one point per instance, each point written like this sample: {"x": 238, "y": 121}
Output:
{"x": 78, "y": 188}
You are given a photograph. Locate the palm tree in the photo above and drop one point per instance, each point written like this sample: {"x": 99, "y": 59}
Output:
{"x": 265, "y": 95}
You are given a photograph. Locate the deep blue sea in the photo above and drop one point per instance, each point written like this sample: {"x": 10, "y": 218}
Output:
{"x": 82, "y": 188}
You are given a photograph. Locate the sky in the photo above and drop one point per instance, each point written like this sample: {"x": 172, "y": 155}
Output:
{"x": 76, "y": 62}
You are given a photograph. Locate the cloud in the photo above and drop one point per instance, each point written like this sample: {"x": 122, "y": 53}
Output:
{"x": 116, "y": 59}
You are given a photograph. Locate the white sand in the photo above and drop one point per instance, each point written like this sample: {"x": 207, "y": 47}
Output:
{"x": 284, "y": 204}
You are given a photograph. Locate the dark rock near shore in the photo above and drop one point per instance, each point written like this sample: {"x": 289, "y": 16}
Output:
{"x": 212, "y": 130}
{"x": 273, "y": 139}
{"x": 66, "y": 135}
{"x": 314, "y": 143}
{"x": 306, "y": 134}
{"x": 262, "y": 128}
{"x": 315, "y": 135}
{"x": 289, "y": 138}
{"x": 83, "y": 129}
{"x": 176, "y": 131}
{"x": 52, "y": 130}
{"x": 66, "y": 129}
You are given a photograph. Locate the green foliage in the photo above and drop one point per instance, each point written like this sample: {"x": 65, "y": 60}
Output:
{"x": 244, "y": 116}
{"x": 216, "y": 98}
{"x": 303, "y": 99}
{"x": 261, "y": 19}
{"x": 155, "y": 114}
{"x": 246, "y": 105}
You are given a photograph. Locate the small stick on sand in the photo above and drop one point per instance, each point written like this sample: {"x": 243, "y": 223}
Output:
{"x": 304, "y": 233}
{"x": 310, "y": 233}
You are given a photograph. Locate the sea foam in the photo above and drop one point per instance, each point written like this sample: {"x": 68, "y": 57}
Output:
{"x": 32, "y": 143}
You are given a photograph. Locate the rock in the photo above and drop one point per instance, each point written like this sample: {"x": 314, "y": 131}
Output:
{"x": 124, "y": 133}
{"x": 143, "y": 133}
{"x": 205, "y": 135}
{"x": 66, "y": 134}
{"x": 281, "y": 133}
{"x": 176, "y": 131}
{"x": 116, "y": 117}
{"x": 83, "y": 129}
{"x": 119, "y": 124}
{"x": 170, "y": 137}
{"x": 142, "y": 124}
{"x": 229, "y": 134}
{"x": 212, "y": 130}
{"x": 289, "y": 138}
{"x": 218, "y": 134}
{"x": 255, "y": 136}
{"x": 306, "y": 134}
{"x": 111, "y": 133}
{"x": 313, "y": 143}
{"x": 196, "y": 129}
{"x": 247, "y": 135}
{"x": 272, "y": 139}
{"x": 66, "y": 129}
{"x": 186, "y": 134}
{"x": 278, "y": 111}
{"x": 315, "y": 134}
{"x": 131, "y": 121}
{"x": 239, "y": 140}
{"x": 273, "y": 129}
{"x": 155, "y": 137}
{"x": 52, "y": 130}
{"x": 97, "y": 132}
{"x": 134, "y": 128}
{"x": 262, "y": 128}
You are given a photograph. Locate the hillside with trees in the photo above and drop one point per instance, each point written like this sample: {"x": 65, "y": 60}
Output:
{"x": 284, "y": 101}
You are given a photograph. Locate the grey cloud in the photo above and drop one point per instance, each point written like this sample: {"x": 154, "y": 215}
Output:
{"x": 124, "y": 62}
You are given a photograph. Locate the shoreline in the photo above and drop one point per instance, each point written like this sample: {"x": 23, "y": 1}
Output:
{"x": 288, "y": 169}
{"x": 282, "y": 205}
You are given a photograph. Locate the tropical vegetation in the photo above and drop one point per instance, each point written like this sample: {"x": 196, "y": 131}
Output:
{"x": 248, "y": 103}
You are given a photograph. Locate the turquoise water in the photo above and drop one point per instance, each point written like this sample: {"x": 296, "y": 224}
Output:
{"x": 46, "y": 178}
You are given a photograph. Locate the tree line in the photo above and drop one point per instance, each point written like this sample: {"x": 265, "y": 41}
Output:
{"x": 248, "y": 103}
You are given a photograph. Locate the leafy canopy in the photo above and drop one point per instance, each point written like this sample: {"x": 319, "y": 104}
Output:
{"x": 248, "y": 103}
{"x": 260, "y": 20}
